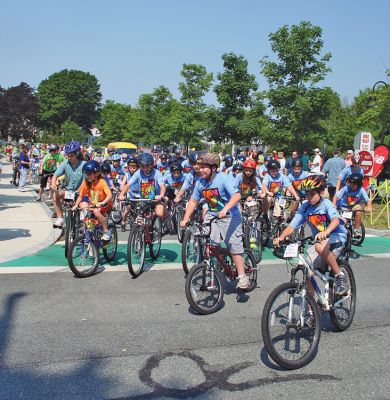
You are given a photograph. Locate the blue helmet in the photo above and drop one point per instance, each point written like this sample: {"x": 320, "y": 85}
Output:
{"x": 72, "y": 147}
{"x": 91, "y": 166}
{"x": 241, "y": 158}
{"x": 115, "y": 157}
{"x": 192, "y": 157}
{"x": 229, "y": 160}
{"x": 146, "y": 159}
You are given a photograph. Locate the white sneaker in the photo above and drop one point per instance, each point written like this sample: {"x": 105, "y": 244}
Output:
{"x": 59, "y": 223}
{"x": 106, "y": 236}
{"x": 243, "y": 282}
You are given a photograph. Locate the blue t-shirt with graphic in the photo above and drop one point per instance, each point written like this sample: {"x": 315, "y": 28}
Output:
{"x": 348, "y": 171}
{"x": 347, "y": 198}
{"x": 276, "y": 185}
{"x": 319, "y": 217}
{"x": 190, "y": 181}
{"x": 162, "y": 167}
{"x": 216, "y": 193}
{"x": 245, "y": 185}
{"x": 296, "y": 181}
{"x": 175, "y": 183}
{"x": 147, "y": 186}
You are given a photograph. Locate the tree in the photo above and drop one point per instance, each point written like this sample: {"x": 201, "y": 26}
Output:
{"x": 18, "y": 111}
{"x": 197, "y": 83}
{"x": 297, "y": 106}
{"x": 234, "y": 92}
{"x": 69, "y": 95}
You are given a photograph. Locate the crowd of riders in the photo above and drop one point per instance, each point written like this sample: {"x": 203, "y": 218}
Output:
{"x": 221, "y": 180}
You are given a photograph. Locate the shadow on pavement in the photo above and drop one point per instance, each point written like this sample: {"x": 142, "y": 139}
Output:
{"x": 9, "y": 234}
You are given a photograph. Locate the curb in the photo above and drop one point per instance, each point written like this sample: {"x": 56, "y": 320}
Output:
{"x": 378, "y": 232}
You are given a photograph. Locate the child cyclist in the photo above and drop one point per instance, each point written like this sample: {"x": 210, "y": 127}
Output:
{"x": 296, "y": 176}
{"x": 324, "y": 221}
{"x": 221, "y": 196}
{"x": 173, "y": 181}
{"x": 94, "y": 191}
{"x": 247, "y": 182}
{"x": 351, "y": 196}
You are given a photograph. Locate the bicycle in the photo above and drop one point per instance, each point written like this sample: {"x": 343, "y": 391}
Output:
{"x": 349, "y": 217}
{"x": 146, "y": 230}
{"x": 83, "y": 254}
{"x": 204, "y": 286}
{"x": 291, "y": 320}
{"x": 252, "y": 228}
{"x": 178, "y": 211}
{"x": 116, "y": 212}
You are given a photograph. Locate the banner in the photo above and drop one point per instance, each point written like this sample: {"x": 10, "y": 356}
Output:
{"x": 381, "y": 155}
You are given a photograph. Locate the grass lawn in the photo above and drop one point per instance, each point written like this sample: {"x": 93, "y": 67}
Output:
{"x": 381, "y": 222}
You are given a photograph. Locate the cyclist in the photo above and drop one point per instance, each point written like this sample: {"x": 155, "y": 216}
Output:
{"x": 117, "y": 170}
{"x": 237, "y": 169}
{"x": 347, "y": 171}
{"x": 188, "y": 164}
{"x": 274, "y": 185}
{"x": 351, "y": 196}
{"x": 247, "y": 182}
{"x": 221, "y": 196}
{"x": 296, "y": 176}
{"x": 48, "y": 166}
{"x": 105, "y": 171}
{"x": 189, "y": 182}
{"x": 263, "y": 169}
{"x": 173, "y": 181}
{"x": 163, "y": 165}
{"x": 327, "y": 229}
{"x": 72, "y": 168}
{"x": 227, "y": 165}
{"x": 94, "y": 191}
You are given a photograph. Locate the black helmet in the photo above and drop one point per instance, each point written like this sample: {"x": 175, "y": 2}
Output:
{"x": 91, "y": 166}
{"x": 297, "y": 163}
{"x": 355, "y": 177}
{"x": 176, "y": 167}
{"x": 132, "y": 160}
{"x": 164, "y": 156}
{"x": 273, "y": 164}
{"x": 105, "y": 168}
{"x": 237, "y": 167}
{"x": 53, "y": 147}
{"x": 192, "y": 157}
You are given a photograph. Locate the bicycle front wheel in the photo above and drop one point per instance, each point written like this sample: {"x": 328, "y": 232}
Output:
{"x": 250, "y": 269}
{"x": 83, "y": 257}
{"x": 343, "y": 307}
{"x": 358, "y": 240}
{"x": 191, "y": 251}
{"x": 204, "y": 289}
{"x": 155, "y": 237}
{"x": 253, "y": 240}
{"x": 291, "y": 327}
{"x": 110, "y": 248}
{"x": 136, "y": 252}
{"x": 179, "y": 216}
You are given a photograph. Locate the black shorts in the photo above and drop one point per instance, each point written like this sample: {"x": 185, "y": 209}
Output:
{"x": 45, "y": 178}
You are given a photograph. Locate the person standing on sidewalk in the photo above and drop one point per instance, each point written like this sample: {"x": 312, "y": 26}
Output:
{"x": 24, "y": 165}
{"x": 332, "y": 169}
{"x": 316, "y": 165}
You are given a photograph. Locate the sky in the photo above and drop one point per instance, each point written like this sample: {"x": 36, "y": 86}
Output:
{"x": 132, "y": 46}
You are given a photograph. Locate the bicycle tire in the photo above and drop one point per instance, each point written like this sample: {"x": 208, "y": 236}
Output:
{"x": 250, "y": 269}
{"x": 336, "y": 313}
{"x": 86, "y": 249}
{"x": 254, "y": 234}
{"x": 116, "y": 212}
{"x": 312, "y": 335}
{"x": 67, "y": 232}
{"x": 136, "y": 250}
{"x": 110, "y": 248}
{"x": 178, "y": 217}
{"x": 358, "y": 241}
{"x": 191, "y": 251}
{"x": 265, "y": 232}
{"x": 199, "y": 277}
{"x": 155, "y": 232}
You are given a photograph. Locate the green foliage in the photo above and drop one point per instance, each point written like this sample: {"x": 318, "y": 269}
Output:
{"x": 68, "y": 95}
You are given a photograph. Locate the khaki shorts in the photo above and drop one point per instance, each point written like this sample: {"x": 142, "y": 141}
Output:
{"x": 229, "y": 229}
{"x": 336, "y": 245}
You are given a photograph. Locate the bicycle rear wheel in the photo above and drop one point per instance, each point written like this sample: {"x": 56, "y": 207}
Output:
{"x": 343, "y": 307}
{"x": 357, "y": 241}
{"x": 250, "y": 269}
{"x": 110, "y": 248}
{"x": 83, "y": 257}
{"x": 253, "y": 240}
{"x": 155, "y": 237}
{"x": 204, "y": 289}
{"x": 116, "y": 212}
{"x": 291, "y": 335}
{"x": 179, "y": 214}
{"x": 191, "y": 251}
{"x": 136, "y": 251}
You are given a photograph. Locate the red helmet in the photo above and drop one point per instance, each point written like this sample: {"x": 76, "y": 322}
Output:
{"x": 249, "y": 164}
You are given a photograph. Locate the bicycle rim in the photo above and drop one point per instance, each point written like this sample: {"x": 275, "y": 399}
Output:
{"x": 83, "y": 257}
{"x": 290, "y": 343}
{"x": 155, "y": 237}
{"x": 191, "y": 251}
{"x": 110, "y": 248}
{"x": 136, "y": 252}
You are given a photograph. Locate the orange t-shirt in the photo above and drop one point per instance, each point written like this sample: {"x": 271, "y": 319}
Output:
{"x": 96, "y": 193}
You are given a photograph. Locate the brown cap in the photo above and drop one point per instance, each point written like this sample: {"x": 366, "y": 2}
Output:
{"x": 209, "y": 158}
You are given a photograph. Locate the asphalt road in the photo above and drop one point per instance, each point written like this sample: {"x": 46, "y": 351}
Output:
{"x": 113, "y": 337}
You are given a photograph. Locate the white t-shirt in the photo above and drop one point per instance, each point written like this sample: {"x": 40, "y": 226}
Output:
{"x": 316, "y": 168}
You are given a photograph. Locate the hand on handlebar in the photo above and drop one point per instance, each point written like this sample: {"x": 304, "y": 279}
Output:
{"x": 276, "y": 242}
{"x": 184, "y": 223}
{"x": 121, "y": 197}
{"x": 223, "y": 213}
{"x": 321, "y": 236}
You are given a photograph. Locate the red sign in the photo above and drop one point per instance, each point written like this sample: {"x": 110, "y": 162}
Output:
{"x": 366, "y": 162}
{"x": 381, "y": 155}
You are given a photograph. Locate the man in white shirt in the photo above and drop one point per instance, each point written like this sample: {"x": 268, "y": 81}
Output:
{"x": 316, "y": 165}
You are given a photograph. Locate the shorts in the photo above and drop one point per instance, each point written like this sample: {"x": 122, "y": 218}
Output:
{"x": 336, "y": 245}
{"x": 230, "y": 230}
{"x": 45, "y": 177}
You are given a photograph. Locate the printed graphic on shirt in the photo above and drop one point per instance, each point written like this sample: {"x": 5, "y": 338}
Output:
{"x": 246, "y": 189}
{"x": 187, "y": 170}
{"x": 148, "y": 189}
{"x": 94, "y": 196}
{"x": 297, "y": 186}
{"x": 352, "y": 200}
{"x": 51, "y": 163}
{"x": 213, "y": 199}
{"x": 276, "y": 187}
{"x": 319, "y": 221}
{"x": 162, "y": 169}
{"x": 177, "y": 185}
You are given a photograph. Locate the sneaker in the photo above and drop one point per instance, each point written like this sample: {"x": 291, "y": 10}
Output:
{"x": 356, "y": 233}
{"x": 341, "y": 285}
{"x": 59, "y": 223}
{"x": 38, "y": 199}
{"x": 243, "y": 282}
{"x": 106, "y": 236}
{"x": 54, "y": 215}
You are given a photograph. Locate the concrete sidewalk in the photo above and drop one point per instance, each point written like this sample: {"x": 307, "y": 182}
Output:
{"x": 25, "y": 225}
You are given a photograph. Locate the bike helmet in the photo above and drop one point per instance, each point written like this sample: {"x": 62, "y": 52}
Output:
{"x": 146, "y": 159}
{"x": 192, "y": 157}
{"x": 356, "y": 159}
{"x": 355, "y": 177}
{"x": 296, "y": 163}
{"x": 176, "y": 167}
{"x": 132, "y": 160}
{"x": 229, "y": 160}
{"x": 72, "y": 147}
{"x": 249, "y": 164}
{"x": 53, "y": 147}
{"x": 164, "y": 156}
{"x": 91, "y": 166}
{"x": 210, "y": 159}
{"x": 116, "y": 157}
{"x": 241, "y": 158}
{"x": 105, "y": 168}
{"x": 313, "y": 182}
{"x": 237, "y": 167}
{"x": 273, "y": 164}
{"x": 267, "y": 159}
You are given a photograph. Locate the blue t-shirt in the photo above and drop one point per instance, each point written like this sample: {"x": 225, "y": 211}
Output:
{"x": 348, "y": 198}
{"x": 296, "y": 181}
{"x": 276, "y": 185}
{"x": 24, "y": 157}
{"x": 348, "y": 171}
{"x": 187, "y": 167}
{"x": 262, "y": 171}
{"x": 190, "y": 181}
{"x": 146, "y": 185}
{"x": 175, "y": 183}
{"x": 162, "y": 167}
{"x": 319, "y": 217}
{"x": 133, "y": 191}
{"x": 245, "y": 185}
{"x": 216, "y": 193}
{"x": 73, "y": 175}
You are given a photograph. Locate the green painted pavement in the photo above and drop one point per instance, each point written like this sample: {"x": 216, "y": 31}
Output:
{"x": 170, "y": 253}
